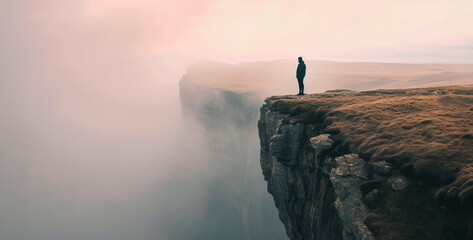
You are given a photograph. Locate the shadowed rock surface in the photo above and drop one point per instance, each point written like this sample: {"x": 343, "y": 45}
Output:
{"x": 318, "y": 197}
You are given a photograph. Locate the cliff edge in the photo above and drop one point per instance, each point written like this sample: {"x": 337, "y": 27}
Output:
{"x": 383, "y": 164}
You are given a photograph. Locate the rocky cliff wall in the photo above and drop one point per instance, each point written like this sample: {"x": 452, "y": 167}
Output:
{"x": 237, "y": 205}
{"x": 344, "y": 164}
{"x": 316, "y": 189}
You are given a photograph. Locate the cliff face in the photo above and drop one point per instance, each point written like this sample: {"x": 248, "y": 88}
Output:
{"x": 236, "y": 207}
{"x": 315, "y": 190}
{"x": 384, "y": 164}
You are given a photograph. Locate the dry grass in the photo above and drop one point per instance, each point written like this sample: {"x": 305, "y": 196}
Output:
{"x": 426, "y": 133}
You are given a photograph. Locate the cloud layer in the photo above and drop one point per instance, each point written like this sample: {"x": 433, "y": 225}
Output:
{"x": 242, "y": 30}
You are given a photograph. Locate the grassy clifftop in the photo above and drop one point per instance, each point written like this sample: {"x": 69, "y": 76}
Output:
{"x": 425, "y": 133}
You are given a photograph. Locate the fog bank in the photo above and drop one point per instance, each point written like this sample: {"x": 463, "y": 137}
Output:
{"x": 92, "y": 144}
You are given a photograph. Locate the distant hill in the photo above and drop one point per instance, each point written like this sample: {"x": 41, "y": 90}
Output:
{"x": 278, "y": 77}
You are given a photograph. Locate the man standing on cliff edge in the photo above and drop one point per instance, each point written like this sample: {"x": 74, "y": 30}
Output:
{"x": 300, "y": 74}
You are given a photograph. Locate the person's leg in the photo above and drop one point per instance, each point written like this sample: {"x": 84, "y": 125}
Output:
{"x": 302, "y": 86}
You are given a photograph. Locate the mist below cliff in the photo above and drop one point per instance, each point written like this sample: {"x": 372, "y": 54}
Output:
{"x": 104, "y": 153}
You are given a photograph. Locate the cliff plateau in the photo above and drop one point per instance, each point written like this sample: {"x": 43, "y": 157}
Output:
{"x": 385, "y": 164}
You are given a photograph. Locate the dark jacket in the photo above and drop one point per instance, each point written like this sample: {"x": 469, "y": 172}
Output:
{"x": 300, "y": 73}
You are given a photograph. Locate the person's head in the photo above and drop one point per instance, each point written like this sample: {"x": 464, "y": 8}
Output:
{"x": 300, "y": 59}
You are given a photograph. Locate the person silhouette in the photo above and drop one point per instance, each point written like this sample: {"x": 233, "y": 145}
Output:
{"x": 300, "y": 74}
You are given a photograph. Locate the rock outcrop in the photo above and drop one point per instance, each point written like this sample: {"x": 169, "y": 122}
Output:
{"x": 317, "y": 193}
{"x": 348, "y": 165}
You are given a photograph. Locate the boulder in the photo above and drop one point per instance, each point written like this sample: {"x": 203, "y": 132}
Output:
{"x": 382, "y": 167}
{"x": 398, "y": 183}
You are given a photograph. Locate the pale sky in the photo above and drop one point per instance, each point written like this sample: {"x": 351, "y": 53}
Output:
{"x": 232, "y": 30}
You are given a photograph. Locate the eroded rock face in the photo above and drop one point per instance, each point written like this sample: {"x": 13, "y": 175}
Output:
{"x": 318, "y": 195}
{"x": 346, "y": 177}
{"x": 285, "y": 145}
